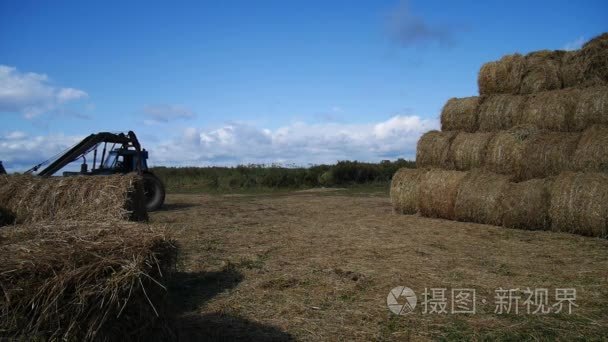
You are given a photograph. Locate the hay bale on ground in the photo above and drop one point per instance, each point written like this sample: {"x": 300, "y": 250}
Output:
{"x": 592, "y": 150}
{"x": 505, "y": 151}
{"x": 579, "y": 203}
{"x": 437, "y": 193}
{"x": 547, "y": 154}
{"x": 500, "y": 112}
{"x": 526, "y": 205}
{"x": 433, "y": 149}
{"x": 460, "y": 114}
{"x": 591, "y": 108}
{"x": 468, "y": 150}
{"x": 479, "y": 197}
{"x": 551, "y": 110}
{"x": 542, "y": 72}
{"x": 404, "y": 190}
{"x": 82, "y": 280}
{"x": 503, "y": 76}
{"x": 98, "y": 198}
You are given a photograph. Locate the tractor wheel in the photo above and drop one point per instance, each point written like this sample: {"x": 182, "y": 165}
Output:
{"x": 154, "y": 191}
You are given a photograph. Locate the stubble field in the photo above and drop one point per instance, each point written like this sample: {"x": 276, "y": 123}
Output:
{"x": 319, "y": 265}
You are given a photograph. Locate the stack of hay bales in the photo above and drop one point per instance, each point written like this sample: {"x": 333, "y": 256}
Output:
{"x": 71, "y": 265}
{"x": 531, "y": 151}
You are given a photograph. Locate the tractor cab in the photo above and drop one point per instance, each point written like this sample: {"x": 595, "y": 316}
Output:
{"x": 125, "y": 161}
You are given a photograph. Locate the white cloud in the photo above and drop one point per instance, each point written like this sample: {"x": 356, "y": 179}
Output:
{"x": 19, "y": 151}
{"x": 575, "y": 44}
{"x": 162, "y": 113}
{"x": 32, "y": 94}
{"x": 299, "y": 143}
{"x": 239, "y": 143}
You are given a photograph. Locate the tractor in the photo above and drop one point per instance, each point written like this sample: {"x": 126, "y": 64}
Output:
{"x": 123, "y": 156}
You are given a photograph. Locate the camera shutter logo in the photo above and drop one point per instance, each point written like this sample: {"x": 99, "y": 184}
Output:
{"x": 401, "y": 300}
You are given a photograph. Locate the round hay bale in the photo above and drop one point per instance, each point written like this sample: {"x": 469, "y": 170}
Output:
{"x": 587, "y": 67}
{"x": 547, "y": 154}
{"x": 597, "y": 43}
{"x": 551, "y": 110}
{"x": 542, "y": 72}
{"x": 500, "y": 112}
{"x": 526, "y": 205}
{"x": 592, "y": 150}
{"x": 97, "y": 198}
{"x": 468, "y": 150}
{"x": 505, "y": 150}
{"x": 479, "y": 197}
{"x": 437, "y": 193}
{"x": 460, "y": 114}
{"x": 572, "y": 69}
{"x": 433, "y": 149}
{"x": 503, "y": 76}
{"x": 404, "y": 190}
{"x": 595, "y": 56}
{"x": 579, "y": 203}
{"x": 591, "y": 108}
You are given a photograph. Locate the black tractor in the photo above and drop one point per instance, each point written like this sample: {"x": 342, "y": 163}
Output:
{"x": 120, "y": 153}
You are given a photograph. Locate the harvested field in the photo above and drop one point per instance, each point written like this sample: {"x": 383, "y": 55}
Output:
{"x": 83, "y": 281}
{"x": 102, "y": 198}
{"x": 460, "y": 114}
{"x": 320, "y": 266}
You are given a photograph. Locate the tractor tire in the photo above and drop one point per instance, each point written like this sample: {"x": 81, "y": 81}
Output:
{"x": 154, "y": 191}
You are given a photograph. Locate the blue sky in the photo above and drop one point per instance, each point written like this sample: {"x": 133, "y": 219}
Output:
{"x": 228, "y": 82}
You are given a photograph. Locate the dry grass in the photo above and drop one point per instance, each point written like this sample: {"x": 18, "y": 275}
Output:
{"x": 404, "y": 190}
{"x": 525, "y": 205}
{"x": 99, "y": 198}
{"x": 437, "y": 193}
{"x": 468, "y": 150}
{"x": 579, "y": 203}
{"x": 460, "y": 114}
{"x": 433, "y": 149}
{"x": 319, "y": 267}
{"x": 479, "y": 197}
{"x": 81, "y": 280}
{"x": 500, "y": 112}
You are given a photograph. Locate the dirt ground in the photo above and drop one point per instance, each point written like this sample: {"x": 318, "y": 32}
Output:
{"x": 320, "y": 265}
